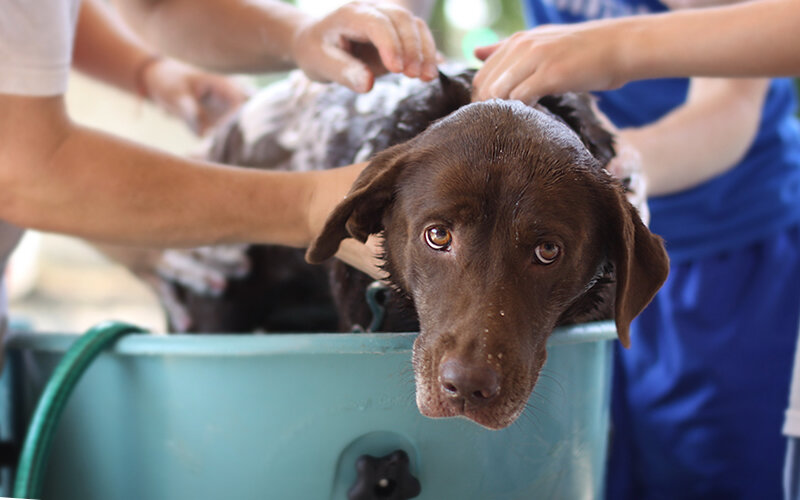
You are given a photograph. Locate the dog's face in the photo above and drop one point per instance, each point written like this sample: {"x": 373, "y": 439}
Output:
{"x": 497, "y": 222}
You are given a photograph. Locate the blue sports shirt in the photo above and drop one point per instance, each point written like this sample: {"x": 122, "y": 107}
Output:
{"x": 756, "y": 198}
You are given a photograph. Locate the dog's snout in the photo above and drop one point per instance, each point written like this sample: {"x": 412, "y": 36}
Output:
{"x": 475, "y": 384}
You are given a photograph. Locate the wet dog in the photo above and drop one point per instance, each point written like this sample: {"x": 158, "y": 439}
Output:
{"x": 499, "y": 223}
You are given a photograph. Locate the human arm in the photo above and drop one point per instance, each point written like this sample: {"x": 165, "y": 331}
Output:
{"x": 750, "y": 39}
{"x": 70, "y": 179}
{"x": 258, "y": 36}
{"x": 105, "y": 49}
{"x": 704, "y": 137}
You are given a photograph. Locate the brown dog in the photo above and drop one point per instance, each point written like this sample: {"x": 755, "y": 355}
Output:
{"x": 499, "y": 223}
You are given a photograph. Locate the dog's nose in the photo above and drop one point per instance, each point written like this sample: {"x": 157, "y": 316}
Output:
{"x": 476, "y": 384}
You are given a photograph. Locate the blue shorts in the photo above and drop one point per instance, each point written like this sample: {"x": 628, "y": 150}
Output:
{"x": 699, "y": 398}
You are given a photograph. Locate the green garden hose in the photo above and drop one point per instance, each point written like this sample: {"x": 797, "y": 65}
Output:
{"x": 33, "y": 458}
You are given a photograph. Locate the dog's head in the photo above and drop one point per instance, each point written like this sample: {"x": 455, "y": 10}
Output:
{"x": 497, "y": 222}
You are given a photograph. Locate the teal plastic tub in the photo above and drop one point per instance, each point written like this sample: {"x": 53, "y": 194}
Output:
{"x": 288, "y": 416}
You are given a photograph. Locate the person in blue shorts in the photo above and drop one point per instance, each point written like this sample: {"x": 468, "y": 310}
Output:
{"x": 698, "y": 399}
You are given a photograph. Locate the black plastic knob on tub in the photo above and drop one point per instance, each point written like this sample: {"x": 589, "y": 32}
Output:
{"x": 384, "y": 478}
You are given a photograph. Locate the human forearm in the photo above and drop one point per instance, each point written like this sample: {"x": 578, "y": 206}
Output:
{"x": 703, "y": 138}
{"x": 233, "y": 36}
{"x": 105, "y": 49}
{"x": 757, "y": 38}
{"x": 351, "y": 45}
{"x": 77, "y": 181}
{"x": 101, "y": 188}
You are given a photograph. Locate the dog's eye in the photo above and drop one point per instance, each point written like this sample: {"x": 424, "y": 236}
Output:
{"x": 547, "y": 253}
{"x": 438, "y": 237}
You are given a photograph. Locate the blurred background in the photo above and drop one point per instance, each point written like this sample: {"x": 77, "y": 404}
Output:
{"x": 61, "y": 284}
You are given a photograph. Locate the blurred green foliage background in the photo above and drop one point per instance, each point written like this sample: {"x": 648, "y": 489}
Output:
{"x": 461, "y": 25}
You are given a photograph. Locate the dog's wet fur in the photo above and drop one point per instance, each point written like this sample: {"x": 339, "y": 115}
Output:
{"x": 499, "y": 223}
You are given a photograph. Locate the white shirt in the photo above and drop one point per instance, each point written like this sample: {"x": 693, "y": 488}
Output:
{"x": 36, "y": 39}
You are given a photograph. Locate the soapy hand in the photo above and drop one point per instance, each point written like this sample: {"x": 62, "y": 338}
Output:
{"x": 200, "y": 99}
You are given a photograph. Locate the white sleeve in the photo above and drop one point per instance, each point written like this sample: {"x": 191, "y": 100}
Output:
{"x": 36, "y": 39}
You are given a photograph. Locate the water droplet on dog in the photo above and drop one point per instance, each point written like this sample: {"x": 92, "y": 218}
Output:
{"x": 502, "y": 313}
{"x": 500, "y": 355}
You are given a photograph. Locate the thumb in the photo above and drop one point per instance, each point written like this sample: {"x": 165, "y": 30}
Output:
{"x": 484, "y": 52}
{"x": 341, "y": 67}
{"x": 187, "y": 110}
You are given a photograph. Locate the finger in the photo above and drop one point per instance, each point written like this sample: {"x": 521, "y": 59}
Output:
{"x": 347, "y": 70}
{"x": 501, "y": 87}
{"x": 627, "y": 160}
{"x": 226, "y": 89}
{"x": 488, "y": 72}
{"x": 188, "y": 111}
{"x": 408, "y": 33}
{"x": 211, "y": 106}
{"x": 208, "y": 117}
{"x": 509, "y": 73}
{"x": 484, "y": 52}
{"x": 488, "y": 75}
{"x": 363, "y": 257}
{"x": 379, "y": 30}
{"x": 530, "y": 90}
{"x": 217, "y": 99}
{"x": 429, "y": 54}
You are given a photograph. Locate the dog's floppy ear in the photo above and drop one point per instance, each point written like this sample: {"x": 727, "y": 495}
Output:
{"x": 640, "y": 262}
{"x": 361, "y": 212}
{"x": 578, "y": 112}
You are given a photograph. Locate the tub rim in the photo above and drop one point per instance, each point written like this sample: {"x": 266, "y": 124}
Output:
{"x": 275, "y": 343}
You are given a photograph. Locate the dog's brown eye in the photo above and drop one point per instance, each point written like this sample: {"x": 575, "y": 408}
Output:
{"x": 438, "y": 237}
{"x": 547, "y": 253}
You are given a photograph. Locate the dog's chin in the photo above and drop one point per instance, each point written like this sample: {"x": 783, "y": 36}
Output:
{"x": 494, "y": 416}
